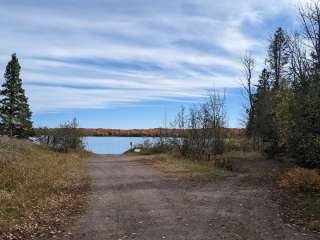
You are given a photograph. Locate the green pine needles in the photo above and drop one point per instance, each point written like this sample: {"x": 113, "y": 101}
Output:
{"x": 284, "y": 109}
{"x": 15, "y": 114}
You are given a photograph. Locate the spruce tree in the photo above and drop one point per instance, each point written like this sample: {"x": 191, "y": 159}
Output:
{"x": 278, "y": 58}
{"x": 15, "y": 114}
{"x": 262, "y": 106}
{"x": 304, "y": 136}
{"x": 277, "y": 61}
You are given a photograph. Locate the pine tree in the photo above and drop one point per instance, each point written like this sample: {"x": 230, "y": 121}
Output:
{"x": 262, "y": 106}
{"x": 277, "y": 61}
{"x": 304, "y": 135}
{"x": 278, "y": 58}
{"x": 15, "y": 114}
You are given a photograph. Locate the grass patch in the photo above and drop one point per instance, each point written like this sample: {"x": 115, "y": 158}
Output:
{"x": 301, "y": 180}
{"x": 302, "y": 195}
{"x": 39, "y": 188}
{"x": 240, "y": 155}
{"x": 311, "y": 204}
{"x": 184, "y": 168}
{"x": 302, "y": 209}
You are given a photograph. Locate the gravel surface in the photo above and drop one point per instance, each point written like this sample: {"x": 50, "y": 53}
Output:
{"x": 129, "y": 200}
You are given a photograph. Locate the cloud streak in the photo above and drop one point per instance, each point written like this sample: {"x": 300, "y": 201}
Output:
{"x": 97, "y": 54}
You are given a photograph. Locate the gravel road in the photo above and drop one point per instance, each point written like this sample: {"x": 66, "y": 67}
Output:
{"x": 129, "y": 200}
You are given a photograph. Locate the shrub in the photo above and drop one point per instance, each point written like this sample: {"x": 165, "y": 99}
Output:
{"x": 204, "y": 128}
{"x": 232, "y": 144}
{"x": 66, "y": 138}
{"x": 239, "y": 143}
{"x": 240, "y": 155}
{"x": 224, "y": 164}
{"x": 301, "y": 179}
{"x": 149, "y": 147}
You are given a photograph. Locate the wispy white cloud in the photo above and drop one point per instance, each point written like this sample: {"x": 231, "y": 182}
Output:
{"x": 96, "y": 54}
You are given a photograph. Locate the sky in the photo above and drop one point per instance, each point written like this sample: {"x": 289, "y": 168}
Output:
{"x": 133, "y": 63}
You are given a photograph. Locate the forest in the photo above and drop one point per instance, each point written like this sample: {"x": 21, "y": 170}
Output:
{"x": 283, "y": 115}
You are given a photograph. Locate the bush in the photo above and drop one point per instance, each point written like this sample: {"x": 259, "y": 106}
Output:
{"x": 224, "y": 164}
{"x": 232, "y": 144}
{"x": 301, "y": 179}
{"x": 149, "y": 147}
{"x": 240, "y": 155}
{"x": 306, "y": 151}
{"x": 66, "y": 138}
{"x": 204, "y": 128}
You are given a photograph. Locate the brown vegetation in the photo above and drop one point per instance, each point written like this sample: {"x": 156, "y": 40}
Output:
{"x": 39, "y": 189}
{"x": 173, "y": 166}
{"x": 300, "y": 200}
{"x": 300, "y": 179}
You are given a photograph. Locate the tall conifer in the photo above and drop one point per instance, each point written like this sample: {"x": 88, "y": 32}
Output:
{"x": 278, "y": 58}
{"x": 15, "y": 114}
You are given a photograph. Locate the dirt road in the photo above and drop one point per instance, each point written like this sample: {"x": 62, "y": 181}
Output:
{"x": 129, "y": 200}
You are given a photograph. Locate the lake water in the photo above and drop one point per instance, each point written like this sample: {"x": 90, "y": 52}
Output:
{"x": 112, "y": 145}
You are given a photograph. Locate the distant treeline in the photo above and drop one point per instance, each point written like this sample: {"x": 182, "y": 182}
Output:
{"x": 152, "y": 132}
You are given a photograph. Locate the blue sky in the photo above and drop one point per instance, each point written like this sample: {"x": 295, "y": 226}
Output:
{"x": 130, "y": 63}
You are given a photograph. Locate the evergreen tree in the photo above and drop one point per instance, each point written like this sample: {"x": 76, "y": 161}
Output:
{"x": 15, "y": 114}
{"x": 272, "y": 82}
{"x": 285, "y": 108}
{"x": 278, "y": 58}
{"x": 277, "y": 61}
{"x": 304, "y": 136}
{"x": 262, "y": 106}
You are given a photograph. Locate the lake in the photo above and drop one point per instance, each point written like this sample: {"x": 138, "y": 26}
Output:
{"x": 112, "y": 145}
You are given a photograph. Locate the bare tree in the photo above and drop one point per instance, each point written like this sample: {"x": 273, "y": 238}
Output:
{"x": 248, "y": 65}
{"x": 204, "y": 128}
{"x": 180, "y": 123}
{"x": 299, "y": 63}
{"x": 310, "y": 15}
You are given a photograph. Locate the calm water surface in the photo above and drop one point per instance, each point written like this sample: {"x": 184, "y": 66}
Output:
{"x": 112, "y": 145}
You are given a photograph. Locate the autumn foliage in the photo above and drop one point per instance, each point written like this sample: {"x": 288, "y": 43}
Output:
{"x": 301, "y": 179}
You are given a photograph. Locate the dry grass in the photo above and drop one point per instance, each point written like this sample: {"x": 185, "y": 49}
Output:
{"x": 302, "y": 195}
{"x": 184, "y": 168}
{"x": 240, "y": 155}
{"x": 36, "y": 186}
{"x": 301, "y": 179}
{"x": 177, "y": 166}
{"x": 302, "y": 209}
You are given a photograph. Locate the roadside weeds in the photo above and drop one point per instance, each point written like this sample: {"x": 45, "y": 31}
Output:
{"x": 40, "y": 190}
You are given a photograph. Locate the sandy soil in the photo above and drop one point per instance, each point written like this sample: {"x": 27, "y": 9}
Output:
{"x": 129, "y": 200}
